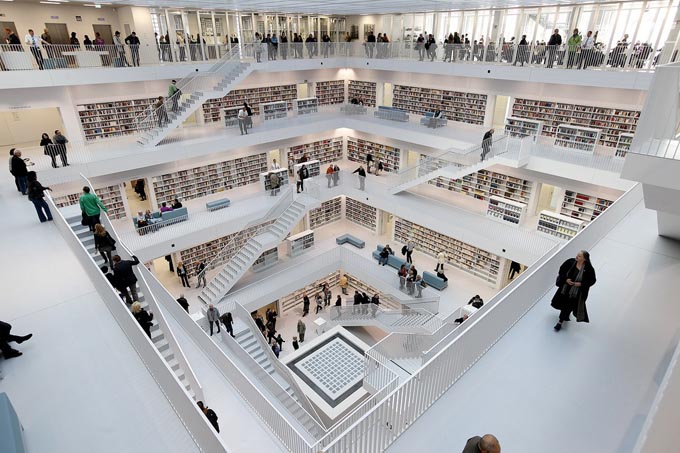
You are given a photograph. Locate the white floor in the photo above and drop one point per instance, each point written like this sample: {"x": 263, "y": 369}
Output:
{"x": 587, "y": 388}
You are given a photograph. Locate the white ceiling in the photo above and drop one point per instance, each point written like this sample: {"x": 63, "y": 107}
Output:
{"x": 337, "y": 7}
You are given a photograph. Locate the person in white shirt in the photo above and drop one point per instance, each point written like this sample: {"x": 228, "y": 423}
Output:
{"x": 34, "y": 42}
{"x": 120, "y": 50}
{"x": 242, "y": 115}
{"x": 587, "y": 54}
{"x": 275, "y": 165}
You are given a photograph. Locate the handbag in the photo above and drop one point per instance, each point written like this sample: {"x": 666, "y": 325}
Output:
{"x": 403, "y": 250}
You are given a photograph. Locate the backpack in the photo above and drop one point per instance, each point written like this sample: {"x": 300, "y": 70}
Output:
{"x": 403, "y": 250}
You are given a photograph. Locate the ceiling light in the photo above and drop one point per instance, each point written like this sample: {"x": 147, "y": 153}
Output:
{"x": 51, "y": 3}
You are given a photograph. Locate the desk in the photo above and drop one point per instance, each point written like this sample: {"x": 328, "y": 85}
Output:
{"x": 15, "y": 60}
{"x": 320, "y": 325}
{"x": 87, "y": 58}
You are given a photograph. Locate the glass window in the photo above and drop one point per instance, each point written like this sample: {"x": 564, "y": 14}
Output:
{"x": 512, "y": 18}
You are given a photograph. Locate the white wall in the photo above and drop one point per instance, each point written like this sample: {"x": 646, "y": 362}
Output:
{"x": 26, "y": 126}
{"x": 361, "y": 21}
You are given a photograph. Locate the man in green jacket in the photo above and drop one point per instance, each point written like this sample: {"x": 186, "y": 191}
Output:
{"x": 91, "y": 206}
{"x": 174, "y": 94}
{"x": 573, "y": 44}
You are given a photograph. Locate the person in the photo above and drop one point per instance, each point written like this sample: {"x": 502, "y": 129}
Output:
{"x": 362, "y": 177}
{"x": 485, "y": 444}
{"x": 487, "y": 143}
{"x": 161, "y": 111}
{"x": 420, "y": 47}
{"x": 303, "y": 159}
{"x": 140, "y": 189}
{"x": 34, "y": 43}
{"x": 91, "y": 206}
{"x": 515, "y": 268}
{"x": 431, "y": 47}
{"x": 369, "y": 161}
{"x": 275, "y": 165}
{"x": 213, "y": 316}
{"x": 402, "y": 273}
{"x": 73, "y": 41}
{"x": 17, "y": 167}
{"x": 200, "y": 274}
{"x": 258, "y": 321}
{"x": 98, "y": 40}
{"x": 419, "y": 285}
{"x": 319, "y": 303}
{"x": 47, "y": 39}
{"x": 309, "y": 43}
{"x": 274, "y": 46}
{"x": 228, "y": 322}
{"x": 133, "y": 42}
{"x": 296, "y": 346}
{"x": 168, "y": 258}
{"x": 303, "y": 174}
{"x": 176, "y": 204}
{"x": 553, "y": 43}
{"x": 384, "y": 255}
{"x": 280, "y": 341}
{"x": 301, "y": 329}
{"x": 325, "y": 45}
{"x": 365, "y": 301}
{"x": 522, "y": 52}
{"x": 357, "y": 301}
{"x": 249, "y": 118}
{"x": 165, "y": 207}
{"x": 123, "y": 271}
{"x": 45, "y": 142}
{"x": 143, "y": 317}
{"x": 573, "y": 46}
{"x": 60, "y": 141}
{"x": 182, "y": 274}
{"x": 241, "y": 116}
{"x": 343, "y": 284}
{"x": 305, "y": 305}
{"x": 476, "y": 301}
{"x": 338, "y": 301}
{"x": 411, "y": 283}
{"x": 276, "y": 349}
{"x": 410, "y": 245}
{"x": 284, "y": 45}
{"x": 329, "y": 174}
{"x": 13, "y": 40}
{"x": 441, "y": 260}
{"x": 336, "y": 175}
{"x": 209, "y": 414}
{"x": 174, "y": 94}
{"x": 327, "y": 295}
{"x": 258, "y": 47}
{"x": 113, "y": 280}
{"x": 587, "y": 46}
{"x": 182, "y": 301}
{"x": 36, "y": 195}
{"x": 180, "y": 41}
{"x": 274, "y": 183}
{"x": 443, "y": 276}
{"x": 104, "y": 243}
{"x": 375, "y": 301}
{"x": 575, "y": 277}
{"x": 370, "y": 44}
{"x": 379, "y": 168}
{"x": 6, "y": 337}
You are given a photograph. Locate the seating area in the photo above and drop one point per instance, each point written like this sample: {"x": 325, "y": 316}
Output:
{"x": 390, "y": 113}
{"x": 430, "y": 121}
{"x": 217, "y": 204}
{"x": 349, "y": 239}
{"x": 396, "y": 262}
{"x": 162, "y": 219}
{"x": 11, "y": 431}
{"x": 434, "y": 281}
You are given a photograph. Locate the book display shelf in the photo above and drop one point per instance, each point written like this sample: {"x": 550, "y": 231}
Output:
{"x": 306, "y": 105}
{"x": 577, "y": 137}
{"x": 362, "y": 91}
{"x": 354, "y": 283}
{"x": 209, "y": 250}
{"x": 612, "y": 122}
{"x": 361, "y": 214}
{"x": 298, "y": 243}
{"x": 520, "y": 127}
{"x": 275, "y": 110}
{"x": 283, "y": 178}
{"x": 230, "y": 116}
{"x": 201, "y": 181}
{"x": 505, "y": 210}
{"x": 484, "y": 183}
{"x": 558, "y": 225}
{"x": 357, "y": 148}
{"x": 330, "y": 92}
{"x": 112, "y": 118}
{"x": 623, "y": 145}
{"x": 473, "y": 260}
{"x": 266, "y": 260}
{"x": 325, "y": 151}
{"x": 455, "y": 105}
{"x": 111, "y": 197}
{"x": 583, "y": 207}
{"x": 294, "y": 299}
{"x": 212, "y": 108}
{"x": 330, "y": 211}
{"x": 313, "y": 167}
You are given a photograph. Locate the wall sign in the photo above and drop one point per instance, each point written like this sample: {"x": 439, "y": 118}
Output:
{"x": 54, "y": 17}
{"x": 101, "y": 19}
{"x": 79, "y": 18}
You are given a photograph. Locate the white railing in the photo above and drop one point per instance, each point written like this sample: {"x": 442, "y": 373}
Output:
{"x": 663, "y": 148}
{"x": 194, "y": 420}
{"x": 372, "y": 314}
{"x": 380, "y": 427}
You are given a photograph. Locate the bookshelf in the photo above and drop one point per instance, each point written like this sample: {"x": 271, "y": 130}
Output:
{"x": 521, "y": 127}
{"x": 361, "y": 214}
{"x": 298, "y": 243}
{"x": 330, "y": 211}
{"x": 294, "y": 299}
{"x": 577, "y": 137}
{"x": 363, "y": 91}
{"x": 505, "y": 210}
{"x": 201, "y": 181}
{"x": 313, "y": 167}
{"x": 611, "y": 121}
{"x": 274, "y": 110}
{"x": 583, "y": 207}
{"x": 112, "y": 118}
{"x": 623, "y": 145}
{"x": 266, "y": 260}
{"x": 455, "y": 105}
{"x": 330, "y": 92}
{"x": 357, "y": 148}
{"x": 354, "y": 283}
{"x": 472, "y": 260}
{"x": 283, "y": 178}
{"x": 305, "y": 106}
{"x": 484, "y": 183}
{"x": 230, "y": 116}
{"x": 558, "y": 225}
{"x": 111, "y": 197}
{"x": 209, "y": 250}
{"x": 254, "y": 96}
{"x": 325, "y": 151}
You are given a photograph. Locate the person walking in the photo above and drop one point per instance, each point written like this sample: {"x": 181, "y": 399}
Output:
{"x": 183, "y": 302}
{"x": 143, "y": 317}
{"x": 242, "y": 116}
{"x": 228, "y": 322}
{"x": 91, "y": 207}
{"x": 420, "y": 47}
{"x": 17, "y": 166}
{"x": 319, "y": 303}
{"x": 343, "y": 284}
{"x": 441, "y": 260}
{"x": 140, "y": 189}
{"x": 575, "y": 277}
{"x": 305, "y": 305}
{"x": 60, "y": 142}
{"x": 34, "y": 43}
{"x": 200, "y": 274}
{"x": 161, "y": 111}
{"x": 183, "y": 275}
{"x": 279, "y": 340}
{"x": 329, "y": 175}
{"x": 6, "y": 337}
{"x": 362, "y": 177}
{"x": 356, "y": 306}
{"x": 209, "y": 414}
{"x": 48, "y": 148}
{"x": 302, "y": 174}
{"x": 104, "y": 243}
{"x": 36, "y": 195}
{"x": 410, "y": 245}
{"x": 123, "y": 271}
{"x": 212, "y": 314}
{"x": 174, "y": 94}
{"x": 301, "y": 330}
{"x": 375, "y": 302}
{"x": 485, "y": 444}
{"x": 487, "y": 143}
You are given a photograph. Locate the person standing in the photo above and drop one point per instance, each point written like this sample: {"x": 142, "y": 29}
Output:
{"x": 515, "y": 268}
{"x": 338, "y": 301}
{"x": 209, "y": 414}
{"x": 402, "y": 273}
{"x": 183, "y": 302}
{"x": 375, "y": 302}
{"x": 284, "y": 45}
{"x": 49, "y": 149}
{"x": 274, "y": 183}
{"x": 485, "y": 444}
{"x": 242, "y": 116}
{"x": 275, "y": 165}
{"x": 143, "y": 317}
{"x": 17, "y": 166}
{"x": 420, "y": 46}
{"x": 213, "y": 316}
{"x": 200, "y": 274}
{"x": 140, "y": 188}
{"x": 369, "y": 162}
{"x": 573, "y": 46}
{"x": 553, "y": 43}
{"x": 249, "y": 118}
{"x": 104, "y": 243}
{"x": 91, "y": 206}
{"x": 343, "y": 284}
{"x": 120, "y": 51}
{"x": 370, "y": 44}
{"x": 336, "y": 175}
{"x": 123, "y": 271}
{"x": 296, "y": 346}
{"x": 48, "y": 42}
{"x": 410, "y": 245}
{"x": 587, "y": 46}
{"x": 575, "y": 277}
{"x": 34, "y": 43}
{"x": 161, "y": 111}
{"x": 174, "y": 94}
{"x": 60, "y": 141}
{"x": 327, "y": 295}
{"x": 303, "y": 174}
{"x": 301, "y": 329}
{"x": 487, "y": 143}
{"x": 361, "y": 173}
{"x": 6, "y": 337}
{"x": 182, "y": 274}
{"x": 280, "y": 341}
{"x": 133, "y": 42}
{"x": 228, "y": 322}
{"x": 356, "y": 306}
{"x": 329, "y": 174}
{"x": 305, "y": 306}
{"x": 36, "y": 194}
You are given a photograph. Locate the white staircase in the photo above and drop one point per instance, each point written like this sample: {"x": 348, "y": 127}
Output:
{"x": 270, "y": 237}
{"x": 405, "y": 320}
{"x": 158, "y": 337}
{"x": 195, "y": 90}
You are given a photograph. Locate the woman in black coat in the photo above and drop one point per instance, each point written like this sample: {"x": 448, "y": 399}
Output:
{"x": 575, "y": 278}
{"x": 48, "y": 151}
{"x": 143, "y": 317}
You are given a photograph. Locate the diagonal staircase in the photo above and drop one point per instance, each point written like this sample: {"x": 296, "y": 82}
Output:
{"x": 396, "y": 321}
{"x": 270, "y": 237}
{"x": 158, "y": 337}
{"x": 195, "y": 90}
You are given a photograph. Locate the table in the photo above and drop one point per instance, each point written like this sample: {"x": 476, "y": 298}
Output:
{"x": 320, "y": 325}
{"x": 87, "y": 58}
